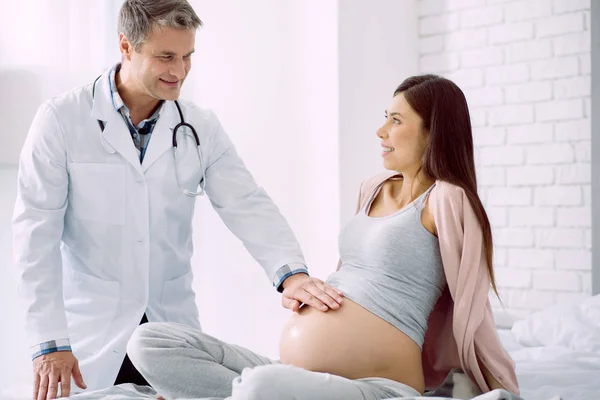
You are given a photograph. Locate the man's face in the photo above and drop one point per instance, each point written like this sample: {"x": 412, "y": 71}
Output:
{"x": 162, "y": 62}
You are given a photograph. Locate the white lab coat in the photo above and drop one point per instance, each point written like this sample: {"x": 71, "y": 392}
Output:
{"x": 99, "y": 238}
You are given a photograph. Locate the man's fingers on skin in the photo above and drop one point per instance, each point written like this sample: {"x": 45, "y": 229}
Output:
{"x": 52, "y": 385}
{"x": 326, "y": 299}
{"x": 36, "y": 384}
{"x": 286, "y": 302}
{"x": 308, "y": 298}
{"x": 295, "y": 306}
{"x": 43, "y": 390}
{"x": 333, "y": 293}
{"x": 334, "y": 289}
{"x": 65, "y": 384}
{"x": 290, "y": 304}
{"x": 319, "y": 291}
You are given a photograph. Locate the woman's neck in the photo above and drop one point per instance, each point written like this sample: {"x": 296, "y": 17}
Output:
{"x": 411, "y": 186}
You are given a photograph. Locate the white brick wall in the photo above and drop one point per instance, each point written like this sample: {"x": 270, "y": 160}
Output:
{"x": 524, "y": 66}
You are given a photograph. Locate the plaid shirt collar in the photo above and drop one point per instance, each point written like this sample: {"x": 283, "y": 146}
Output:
{"x": 143, "y": 131}
{"x": 120, "y": 106}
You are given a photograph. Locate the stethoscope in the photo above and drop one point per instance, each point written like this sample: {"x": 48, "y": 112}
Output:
{"x": 181, "y": 124}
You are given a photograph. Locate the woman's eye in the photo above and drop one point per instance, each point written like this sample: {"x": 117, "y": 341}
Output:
{"x": 396, "y": 121}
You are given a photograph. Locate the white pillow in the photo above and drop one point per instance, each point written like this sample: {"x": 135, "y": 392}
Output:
{"x": 575, "y": 326}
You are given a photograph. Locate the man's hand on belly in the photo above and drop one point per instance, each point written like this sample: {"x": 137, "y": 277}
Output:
{"x": 301, "y": 288}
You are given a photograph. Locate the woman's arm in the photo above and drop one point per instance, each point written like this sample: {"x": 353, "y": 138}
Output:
{"x": 429, "y": 223}
{"x": 465, "y": 265}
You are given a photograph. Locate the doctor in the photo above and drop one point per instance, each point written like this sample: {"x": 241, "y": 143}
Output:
{"x": 103, "y": 219}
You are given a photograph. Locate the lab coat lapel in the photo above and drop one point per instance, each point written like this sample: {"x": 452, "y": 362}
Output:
{"x": 162, "y": 134}
{"x": 116, "y": 134}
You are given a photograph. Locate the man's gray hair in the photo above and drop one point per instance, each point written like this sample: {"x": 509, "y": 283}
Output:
{"x": 138, "y": 18}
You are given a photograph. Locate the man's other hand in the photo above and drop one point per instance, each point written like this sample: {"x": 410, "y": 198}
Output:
{"x": 51, "y": 369}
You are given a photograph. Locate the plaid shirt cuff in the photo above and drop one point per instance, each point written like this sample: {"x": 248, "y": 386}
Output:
{"x": 286, "y": 271}
{"x": 50, "y": 347}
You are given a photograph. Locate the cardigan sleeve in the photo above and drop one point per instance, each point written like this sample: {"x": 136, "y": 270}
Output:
{"x": 465, "y": 264}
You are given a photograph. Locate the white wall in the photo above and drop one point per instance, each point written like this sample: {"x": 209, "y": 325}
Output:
{"x": 272, "y": 79}
{"x": 525, "y": 68}
{"x": 378, "y": 50}
{"x": 62, "y": 44}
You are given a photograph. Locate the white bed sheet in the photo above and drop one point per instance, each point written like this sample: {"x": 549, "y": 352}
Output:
{"x": 547, "y": 371}
{"x": 557, "y": 351}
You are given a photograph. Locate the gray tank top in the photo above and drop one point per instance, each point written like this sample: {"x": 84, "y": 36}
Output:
{"x": 392, "y": 267}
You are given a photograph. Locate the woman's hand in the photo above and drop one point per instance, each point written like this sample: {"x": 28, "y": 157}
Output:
{"x": 301, "y": 288}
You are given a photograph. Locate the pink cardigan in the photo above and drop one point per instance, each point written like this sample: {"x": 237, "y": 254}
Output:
{"x": 461, "y": 328}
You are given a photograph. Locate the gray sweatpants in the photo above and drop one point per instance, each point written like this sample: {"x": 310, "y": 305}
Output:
{"x": 181, "y": 362}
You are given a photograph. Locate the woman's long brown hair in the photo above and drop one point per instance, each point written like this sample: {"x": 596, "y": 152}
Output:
{"x": 449, "y": 156}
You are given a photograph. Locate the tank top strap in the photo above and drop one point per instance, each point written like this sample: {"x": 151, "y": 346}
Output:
{"x": 423, "y": 197}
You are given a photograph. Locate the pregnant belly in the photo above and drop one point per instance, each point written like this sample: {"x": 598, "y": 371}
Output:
{"x": 350, "y": 342}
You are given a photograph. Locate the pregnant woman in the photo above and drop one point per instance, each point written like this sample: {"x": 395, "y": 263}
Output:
{"x": 415, "y": 272}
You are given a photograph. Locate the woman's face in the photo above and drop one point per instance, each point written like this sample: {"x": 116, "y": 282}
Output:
{"x": 402, "y": 137}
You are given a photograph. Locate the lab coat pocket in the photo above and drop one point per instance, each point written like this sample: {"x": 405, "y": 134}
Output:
{"x": 91, "y": 305}
{"x": 97, "y": 192}
{"x": 179, "y": 301}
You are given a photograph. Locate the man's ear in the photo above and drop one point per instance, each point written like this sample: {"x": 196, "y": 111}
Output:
{"x": 125, "y": 47}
